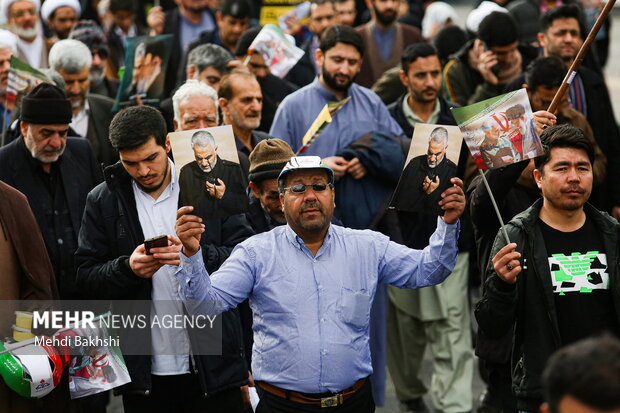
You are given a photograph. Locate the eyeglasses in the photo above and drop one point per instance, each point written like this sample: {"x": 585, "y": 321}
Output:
{"x": 301, "y": 188}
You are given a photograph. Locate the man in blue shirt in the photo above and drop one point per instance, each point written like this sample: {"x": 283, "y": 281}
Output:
{"x": 311, "y": 285}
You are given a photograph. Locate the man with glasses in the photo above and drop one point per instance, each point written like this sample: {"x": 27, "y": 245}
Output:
{"x": 23, "y": 20}
{"x": 311, "y": 285}
{"x": 89, "y": 33}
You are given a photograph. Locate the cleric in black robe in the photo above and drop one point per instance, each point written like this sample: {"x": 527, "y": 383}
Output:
{"x": 201, "y": 181}
{"x": 426, "y": 177}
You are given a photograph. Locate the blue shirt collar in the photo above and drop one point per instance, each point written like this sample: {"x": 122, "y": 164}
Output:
{"x": 297, "y": 242}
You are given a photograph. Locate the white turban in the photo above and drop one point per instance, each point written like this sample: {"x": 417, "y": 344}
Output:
{"x": 477, "y": 15}
{"x": 8, "y": 39}
{"x": 5, "y": 4}
{"x": 50, "y": 5}
{"x": 437, "y": 13}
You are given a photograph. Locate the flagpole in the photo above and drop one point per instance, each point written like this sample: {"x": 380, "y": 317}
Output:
{"x": 499, "y": 215}
{"x": 570, "y": 75}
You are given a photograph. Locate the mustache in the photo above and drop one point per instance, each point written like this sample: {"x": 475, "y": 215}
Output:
{"x": 573, "y": 188}
{"x": 311, "y": 205}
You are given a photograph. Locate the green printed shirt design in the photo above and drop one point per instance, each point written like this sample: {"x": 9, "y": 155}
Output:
{"x": 578, "y": 272}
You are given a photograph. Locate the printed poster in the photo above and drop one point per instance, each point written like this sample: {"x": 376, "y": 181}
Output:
{"x": 208, "y": 170}
{"x": 144, "y": 75}
{"x": 499, "y": 131}
{"x": 431, "y": 163}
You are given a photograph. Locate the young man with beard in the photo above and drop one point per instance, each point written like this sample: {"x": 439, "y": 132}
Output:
{"x": 92, "y": 113}
{"x": 556, "y": 282}
{"x": 23, "y": 21}
{"x": 340, "y": 57}
{"x": 60, "y": 16}
{"x": 138, "y": 200}
{"x": 422, "y": 103}
{"x": 311, "y": 286}
{"x": 384, "y": 40}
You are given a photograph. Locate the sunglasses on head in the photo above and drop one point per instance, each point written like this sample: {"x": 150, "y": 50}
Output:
{"x": 301, "y": 188}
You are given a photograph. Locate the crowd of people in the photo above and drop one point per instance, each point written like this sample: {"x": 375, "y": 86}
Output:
{"x": 324, "y": 283}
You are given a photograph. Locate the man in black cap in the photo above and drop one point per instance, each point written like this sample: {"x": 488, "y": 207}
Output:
{"x": 55, "y": 173}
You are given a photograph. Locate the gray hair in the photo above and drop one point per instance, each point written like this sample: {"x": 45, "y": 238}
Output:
{"x": 439, "y": 135}
{"x": 209, "y": 55}
{"x": 70, "y": 55}
{"x": 55, "y": 77}
{"x": 190, "y": 88}
{"x": 202, "y": 138}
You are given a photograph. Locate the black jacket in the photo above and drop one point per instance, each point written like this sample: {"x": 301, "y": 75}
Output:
{"x": 396, "y": 110}
{"x": 527, "y": 307}
{"x": 79, "y": 173}
{"x": 110, "y": 232}
{"x": 603, "y": 122}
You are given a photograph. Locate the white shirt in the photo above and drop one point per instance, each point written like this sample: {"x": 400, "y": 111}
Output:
{"x": 157, "y": 217}
{"x": 79, "y": 122}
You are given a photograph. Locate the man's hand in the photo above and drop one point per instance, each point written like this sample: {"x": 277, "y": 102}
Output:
{"x": 337, "y": 164}
{"x": 356, "y": 169}
{"x": 189, "y": 229}
{"x": 156, "y": 20}
{"x": 506, "y": 263}
{"x": 169, "y": 255}
{"x": 486, "y": 60}
{"x": 453, "y": 201}
{"x": 429, "y": 186}
{"x": 218, "y": 190}
{"x": 615, "y": 212}
{"x": 542, "y": 120}
{"x": 144, "y": 266}
{"x": 245, "y": 391}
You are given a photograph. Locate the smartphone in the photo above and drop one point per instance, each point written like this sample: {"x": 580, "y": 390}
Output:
{"x": 155, "y": 242}
{"x": 495, "y": 68}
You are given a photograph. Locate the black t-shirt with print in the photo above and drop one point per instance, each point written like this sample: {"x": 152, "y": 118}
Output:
{"x": 580, "y": 282}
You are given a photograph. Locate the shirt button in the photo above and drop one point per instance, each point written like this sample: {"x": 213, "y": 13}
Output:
{"x": 59, "y": 240}
{"x": 323, "y": 352}
{"x": 323, "y": 320}
{"x": 56, "y": 212}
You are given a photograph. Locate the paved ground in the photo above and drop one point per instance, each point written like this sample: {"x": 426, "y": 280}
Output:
{"x": 612, "y": 73}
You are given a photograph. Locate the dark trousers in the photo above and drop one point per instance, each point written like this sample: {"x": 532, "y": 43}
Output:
{"x": 360, "y": 402}
{"x": 182, "y": 394}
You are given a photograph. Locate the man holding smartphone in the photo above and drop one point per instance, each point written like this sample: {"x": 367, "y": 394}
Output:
{"x": 138, "y": 200}
{"x": 485, "y": 65}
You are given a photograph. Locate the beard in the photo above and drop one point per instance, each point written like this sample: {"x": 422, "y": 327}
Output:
{"x": 96, "y": 74}
{"x": 386, "y": 18}
{"x": 25, "y": 33}
{"x": 335, "y": 84}
{"x": 314, "y": 225}
{"x": 246, "y": 123}
{"x": 155, "y": 187}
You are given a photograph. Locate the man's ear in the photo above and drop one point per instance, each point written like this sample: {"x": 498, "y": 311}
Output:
{"x": 319, "y": 56}
{"x": 191, "y": 71}
{"x": 23, "y": 127}
{"x": 538, "y": 178}
{"x": 544, "y": 408}
{"x": 541, "y": 39}
{"x": 255, "y": 189}
{"x": 175, "y": 124}
{"x": 168, "y": 146}
{"x": 403, "y": 78}
{"x": 223, "y": 103}
{"x": 218, "y": 17}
